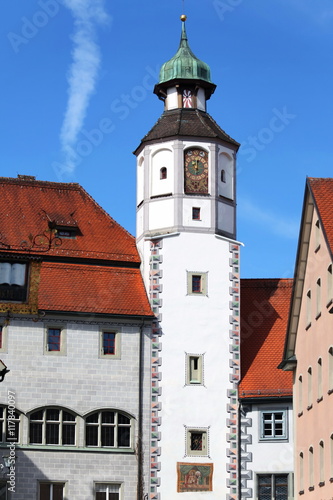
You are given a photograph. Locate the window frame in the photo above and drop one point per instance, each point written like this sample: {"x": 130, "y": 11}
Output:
{"x": 46, "y": 423}
{"x": 63, "y": 340}
{"x": 52, "y": 484}
{"x": 3, "y": 338}
{"x": 190, "y": 360}
{"x": 289, "y": 476}
{"x": 204, "y": 283}
{"x": 190, "y": 431}
{"x": 108, "y": 484}
{"x": 117, "y": 343}
{"x": 20, "y": 289}
{"x": 116, "y": 425}
{"x": 196, "y": 213}
{"x": 285, "y": 427}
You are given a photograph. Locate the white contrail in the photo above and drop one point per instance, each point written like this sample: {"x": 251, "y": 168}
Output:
{"x": 82, "y": 73}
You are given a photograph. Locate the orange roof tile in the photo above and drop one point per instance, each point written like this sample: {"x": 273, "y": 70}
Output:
{"x": 92, "y": 289}
{"x": 264, "y": 315}
{"x": 95, "y": 272}
{"x": 29, "y": 207}
{"x": 322, "y": 191}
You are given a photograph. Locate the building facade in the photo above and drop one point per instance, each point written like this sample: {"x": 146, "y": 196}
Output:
{"x": 75, "y": 335}
{"x": 309, "y": 347}
{"x": 265, "y": 392}
{"x": 186, "y": 210}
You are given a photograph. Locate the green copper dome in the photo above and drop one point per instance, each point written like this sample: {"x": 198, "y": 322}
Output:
{"x": 184, "y": 64}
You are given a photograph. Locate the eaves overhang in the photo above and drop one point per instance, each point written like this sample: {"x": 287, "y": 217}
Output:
{"x": 289, "y": 360}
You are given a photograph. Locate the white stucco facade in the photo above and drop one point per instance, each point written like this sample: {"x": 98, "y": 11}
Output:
{"x": 264, "y": 456}
{"x": 191, "y": 327}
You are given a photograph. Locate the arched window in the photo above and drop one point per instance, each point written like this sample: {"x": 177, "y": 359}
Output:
{"x": 108, "y": 428}
{"x": 52, "y": 426}
{"x": 163, "y": 173}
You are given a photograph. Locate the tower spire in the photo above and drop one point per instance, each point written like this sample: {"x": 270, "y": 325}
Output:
{"x": 184, "y": 68}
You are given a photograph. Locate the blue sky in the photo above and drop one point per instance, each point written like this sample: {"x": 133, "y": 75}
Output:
{"x": 76, "y": 99}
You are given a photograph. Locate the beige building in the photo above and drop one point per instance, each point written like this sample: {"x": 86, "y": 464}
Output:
{"x": 309, "y": 345}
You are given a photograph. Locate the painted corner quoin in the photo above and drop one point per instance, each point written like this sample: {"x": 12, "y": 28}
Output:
{"x": 155, "y": 288}
{"x": 232, "y": 420}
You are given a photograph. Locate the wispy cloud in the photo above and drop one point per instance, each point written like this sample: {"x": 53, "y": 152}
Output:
{"x": 273, "y": 223}
{"x": 83, "y": 73}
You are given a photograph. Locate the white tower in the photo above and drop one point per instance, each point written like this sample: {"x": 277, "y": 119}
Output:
{"x": 186, "y": 207}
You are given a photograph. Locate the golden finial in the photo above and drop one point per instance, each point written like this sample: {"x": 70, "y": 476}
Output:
{"x": 183, "y": 18}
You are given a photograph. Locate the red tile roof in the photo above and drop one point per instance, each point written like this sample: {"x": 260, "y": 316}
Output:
{"x": 92, "y": 289}
{"x": 264, "y": 315}
{"x": 97, "y": 272}
{"x": 322, "y": 191}
{"x": 27, "y": 208}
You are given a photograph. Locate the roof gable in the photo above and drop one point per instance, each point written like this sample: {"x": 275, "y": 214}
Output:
{"x": 318, "y": 196}
{"x": 322, "y": 192}
{"x": 32, "y": 210}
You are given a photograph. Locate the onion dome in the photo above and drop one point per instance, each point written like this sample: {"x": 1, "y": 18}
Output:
{"x": 183, "y": 67}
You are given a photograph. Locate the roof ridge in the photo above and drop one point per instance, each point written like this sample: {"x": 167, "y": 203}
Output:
{"x": 50, "y": 184}
{"x": 218, "y": 126}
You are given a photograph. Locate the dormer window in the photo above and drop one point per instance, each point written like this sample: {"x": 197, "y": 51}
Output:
{"x": 64, "y": 226}
{"x": 66, "y": 233}
{"x": 13, "y": 281}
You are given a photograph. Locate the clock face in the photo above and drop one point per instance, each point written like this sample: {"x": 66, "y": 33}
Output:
{"x": 187, "y": 99}
{"x": 196, "y": 171}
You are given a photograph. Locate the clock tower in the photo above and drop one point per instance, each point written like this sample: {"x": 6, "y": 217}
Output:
{"x": 186, "y": 230}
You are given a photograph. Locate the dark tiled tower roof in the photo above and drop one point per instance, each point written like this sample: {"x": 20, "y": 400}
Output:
{"x": 187, "y": 122}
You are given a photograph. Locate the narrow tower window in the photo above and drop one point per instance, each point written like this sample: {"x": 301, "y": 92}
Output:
{"x": 196, "y": 283}
{"x": 195, "y": 213}
{"x": 223, "y": 176}
{"x": 194, "y": 372}
{"x": 163, "y": 173}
